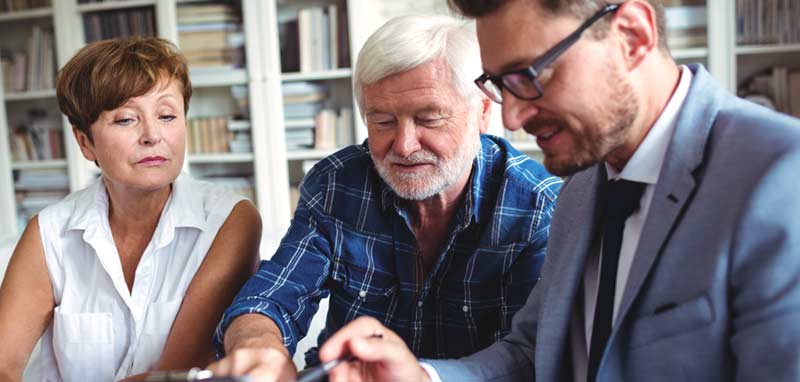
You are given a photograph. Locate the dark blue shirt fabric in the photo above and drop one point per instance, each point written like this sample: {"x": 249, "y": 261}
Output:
{"x": 351, "y": 239}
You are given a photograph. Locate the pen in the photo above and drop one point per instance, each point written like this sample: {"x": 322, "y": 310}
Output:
{"x": 193, "y": 375}
{"x": 318, "y": 373}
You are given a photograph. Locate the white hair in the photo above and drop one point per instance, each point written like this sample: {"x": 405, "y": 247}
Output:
{"x": 405, "y": 42}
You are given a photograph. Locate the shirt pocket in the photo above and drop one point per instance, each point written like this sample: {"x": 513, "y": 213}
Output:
{"x": 480, "y": 309}
{"x": 467, "y": 323}
{"x": 84, "y": 345}
{"x": 157, "y": 325}
{"x": 360, "y": 292}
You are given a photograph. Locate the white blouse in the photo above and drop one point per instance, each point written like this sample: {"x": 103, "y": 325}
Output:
{"x": 101, "y": 331}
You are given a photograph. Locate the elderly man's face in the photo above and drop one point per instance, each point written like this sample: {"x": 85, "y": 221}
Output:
{"x": 423, "y": 135}
{"x": 588, "y": 103}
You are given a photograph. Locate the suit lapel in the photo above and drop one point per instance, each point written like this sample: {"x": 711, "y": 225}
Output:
{"x": 571, "y": 240}
{"x": 676, "y": 183}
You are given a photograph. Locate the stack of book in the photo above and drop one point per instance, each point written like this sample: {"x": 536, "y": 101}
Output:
{"x": 34, "y": 69}
{"x": 240, "y": 138}
{"x": 119, "y": 23}
{"x": 218, "y": 135}
{"x": 210, "y": 35}
{"x": 302, "y": 101}
{"x": 39, "y": 139}
{"x": 310, "y": 120}
{"x": 686, "y": 23}
{"x": 21, "y": 5}
{"x": 37, "y": 189}
{"x": 315, "y": 39}
{"x": 778, "y": 89}
{"x": 767, "y": 21}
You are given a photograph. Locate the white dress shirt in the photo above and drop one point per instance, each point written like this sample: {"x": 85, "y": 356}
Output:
{"x": 101, "y": 331}
{"x": 643, "y": 167}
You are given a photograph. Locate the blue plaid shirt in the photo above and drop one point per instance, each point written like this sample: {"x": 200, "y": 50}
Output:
{"x": 351, "y": 238}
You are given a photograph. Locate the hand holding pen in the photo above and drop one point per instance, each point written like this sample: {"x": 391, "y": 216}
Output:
{"x": 318, "y": 373}
{"x": 378, "y": 354}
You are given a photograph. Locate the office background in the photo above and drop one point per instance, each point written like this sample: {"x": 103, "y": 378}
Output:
{"x": 272, "y": 85}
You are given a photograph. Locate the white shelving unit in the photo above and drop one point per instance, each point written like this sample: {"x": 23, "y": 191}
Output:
{"x": 16, "y": 27}
{"x": 274, "y": 168}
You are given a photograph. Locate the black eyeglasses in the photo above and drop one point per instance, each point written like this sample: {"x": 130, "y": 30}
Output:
{"x": 524, "y": 83}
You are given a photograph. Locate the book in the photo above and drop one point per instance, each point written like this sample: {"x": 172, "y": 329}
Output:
{"x": 325, "y": 129}
{"x": 767, "y": 22}
{"x": 288, "y": 37}
{"x": 344, "y": 127}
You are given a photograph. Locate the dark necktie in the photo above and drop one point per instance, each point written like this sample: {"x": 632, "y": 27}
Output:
{"x": 621, "y": 200}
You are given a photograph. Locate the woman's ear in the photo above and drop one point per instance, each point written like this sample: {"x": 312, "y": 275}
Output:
{"x": 86, "y": 145}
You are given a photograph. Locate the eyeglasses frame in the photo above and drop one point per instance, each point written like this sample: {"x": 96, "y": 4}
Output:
{"x": 541, "y": 63}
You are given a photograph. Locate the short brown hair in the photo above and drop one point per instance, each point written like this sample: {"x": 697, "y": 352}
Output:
{"x": 580, "y": 9}
{"x": 104, "y": 75}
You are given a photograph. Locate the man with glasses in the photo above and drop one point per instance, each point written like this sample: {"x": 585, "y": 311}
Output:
{"x": 674, "y": 251}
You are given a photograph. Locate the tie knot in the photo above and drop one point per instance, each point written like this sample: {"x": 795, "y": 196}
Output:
{"x": 623, "y": 196}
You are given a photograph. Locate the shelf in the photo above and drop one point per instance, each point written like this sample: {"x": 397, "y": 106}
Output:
{"x": 761, "y": 49}
{"x": 334, "y": 74}
{"x": 26, "y": 14}
{"x": 688, "y": 53}
{"x": 112, "y": 5}
{"x": 526, "y": 146}
{"x": 309, "y": 154}
{"x": 56, "y": 163}
{"x": 220, "y": 158}
{"x": 31, "y": 95}
{"x": 217, "y": 77}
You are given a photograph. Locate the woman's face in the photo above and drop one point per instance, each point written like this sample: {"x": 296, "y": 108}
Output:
{"x": 140, "y": 145}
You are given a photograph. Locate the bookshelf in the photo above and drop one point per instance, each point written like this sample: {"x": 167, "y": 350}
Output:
{"x": 249, "y": 95}
{"x": 232, "y": 90}
{"x": 315, "y": 39}
{"x": 765, "y": 60}
{"x": 33, "y": 154}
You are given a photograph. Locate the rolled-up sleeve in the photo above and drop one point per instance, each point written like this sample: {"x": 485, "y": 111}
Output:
{"x": 288, "y": 287}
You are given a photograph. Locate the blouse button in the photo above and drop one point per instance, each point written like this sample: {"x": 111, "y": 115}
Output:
{"x": 362, "y": 294}
{"x": 465, "y": 309}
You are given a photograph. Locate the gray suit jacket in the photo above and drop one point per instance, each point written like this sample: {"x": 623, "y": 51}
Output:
{"x": 714, "y": 290}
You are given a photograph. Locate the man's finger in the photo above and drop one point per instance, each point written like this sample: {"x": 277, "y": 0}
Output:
{"x": 379, "y": 350}
{"x": 336, "y": 346}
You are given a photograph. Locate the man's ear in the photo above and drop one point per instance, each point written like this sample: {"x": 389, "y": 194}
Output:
{"x": 485, "y": 114}
{"x": 635, "y": 23}
{"x": 86, "y": 145}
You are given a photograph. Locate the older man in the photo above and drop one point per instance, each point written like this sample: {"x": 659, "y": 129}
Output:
{"x": 430, "y": 227}
{"x": 673, "y": 253}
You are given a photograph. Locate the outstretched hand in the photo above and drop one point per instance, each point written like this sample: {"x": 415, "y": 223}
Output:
{"x": 262, "y": 365}
{"x": 380, "y": 354}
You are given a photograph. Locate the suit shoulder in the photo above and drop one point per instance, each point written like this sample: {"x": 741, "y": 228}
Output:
{"x": 741, "y": 120}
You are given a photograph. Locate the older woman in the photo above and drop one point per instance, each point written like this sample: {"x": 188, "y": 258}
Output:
{"x": 132, "y": 273}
